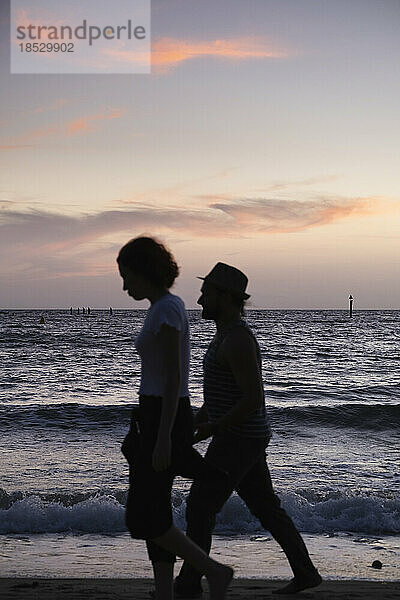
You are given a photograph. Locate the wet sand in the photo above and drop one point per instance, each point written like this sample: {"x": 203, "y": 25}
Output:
{"x": 138, "y": 589}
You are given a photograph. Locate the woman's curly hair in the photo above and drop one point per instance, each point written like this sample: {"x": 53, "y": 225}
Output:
{"x": 150, "y": 259}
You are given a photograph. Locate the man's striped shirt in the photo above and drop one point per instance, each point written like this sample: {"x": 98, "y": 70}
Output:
{"x": 222, "y": 393}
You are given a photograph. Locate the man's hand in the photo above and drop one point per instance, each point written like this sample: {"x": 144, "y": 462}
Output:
{"x": 201, "y": 416}
{"x": 204, "y": 431}
{"x": 162, "y": 453}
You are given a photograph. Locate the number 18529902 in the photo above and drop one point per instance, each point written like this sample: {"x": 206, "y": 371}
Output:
{"x": 47, "y": 47}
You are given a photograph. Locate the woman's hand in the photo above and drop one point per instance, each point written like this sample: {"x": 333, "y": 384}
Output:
{"x": 162, "y": 453}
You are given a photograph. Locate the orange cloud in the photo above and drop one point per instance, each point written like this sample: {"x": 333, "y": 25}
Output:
{"x": 285, "y": 216}
{"x": 166, "y": 53}
{"x": 15, "y": 146}
{"x": 282, "y": 185}
{"x": 170, "y": 51}
{"x": 58, "y": 103}
{"x": 36, "y": 134}
{"x": 82, "y": 125}
{"x": 85, "y": 124}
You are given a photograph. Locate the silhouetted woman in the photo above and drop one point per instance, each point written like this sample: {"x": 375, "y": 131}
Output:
{"x": 165, "y": 419}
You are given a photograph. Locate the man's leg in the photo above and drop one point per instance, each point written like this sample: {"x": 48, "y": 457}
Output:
{"x": 257, "y": 492}
{"x": 206, "y": 498}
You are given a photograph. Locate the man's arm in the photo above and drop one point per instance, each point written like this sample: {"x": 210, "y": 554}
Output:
{"x": 238, "y": 352}
{"x": 201, "y": 416}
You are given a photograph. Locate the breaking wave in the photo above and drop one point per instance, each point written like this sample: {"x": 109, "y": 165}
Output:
{"x": 104, "y": 513}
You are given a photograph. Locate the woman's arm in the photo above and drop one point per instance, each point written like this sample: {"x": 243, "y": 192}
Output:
{"x": 169, "y": 340}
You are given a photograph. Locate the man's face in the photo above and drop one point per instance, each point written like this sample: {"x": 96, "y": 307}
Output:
{"x": 209, "y": 300}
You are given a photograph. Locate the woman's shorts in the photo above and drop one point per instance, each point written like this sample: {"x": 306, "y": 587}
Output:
{"x": 148, "y": 509}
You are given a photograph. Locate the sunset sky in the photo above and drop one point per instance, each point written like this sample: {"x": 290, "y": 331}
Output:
{"x": 267, "y": 136}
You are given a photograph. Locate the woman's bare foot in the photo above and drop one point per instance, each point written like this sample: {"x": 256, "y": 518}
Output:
{"x": 218, "y": 582}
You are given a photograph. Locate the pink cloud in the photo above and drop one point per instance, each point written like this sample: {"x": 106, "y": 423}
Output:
{"x": 44, "y": 244}
{"x": 269, "y": 215}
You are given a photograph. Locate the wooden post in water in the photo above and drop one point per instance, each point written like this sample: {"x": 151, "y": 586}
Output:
{"x": 351, "y": 299}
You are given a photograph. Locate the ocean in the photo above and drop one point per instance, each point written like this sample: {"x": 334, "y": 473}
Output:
{"x": 332, "y": 387}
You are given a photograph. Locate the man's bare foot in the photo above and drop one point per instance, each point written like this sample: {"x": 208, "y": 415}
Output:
{"x": 219, "y": 581}
{"x": 298, "y": 585}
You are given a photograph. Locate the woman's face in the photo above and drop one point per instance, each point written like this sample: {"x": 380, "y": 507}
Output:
{"x": 134, "y": 283}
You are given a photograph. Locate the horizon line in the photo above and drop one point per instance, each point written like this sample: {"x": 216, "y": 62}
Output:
{"x": 191, "y": 308}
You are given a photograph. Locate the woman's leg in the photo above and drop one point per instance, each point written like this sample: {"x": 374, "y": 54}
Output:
{"x": 163, "y": 569}
{"x": 154, "y": 511}
{"x": 164, "y": 580}
{"x": 218, "y": 576}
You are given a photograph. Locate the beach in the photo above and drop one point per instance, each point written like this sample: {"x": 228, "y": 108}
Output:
{"x": 138, "y": 589}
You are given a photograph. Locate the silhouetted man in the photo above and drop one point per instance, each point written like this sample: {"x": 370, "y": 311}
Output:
{"x": 234, "y": 415}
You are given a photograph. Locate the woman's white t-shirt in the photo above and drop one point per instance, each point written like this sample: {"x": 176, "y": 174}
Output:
{"x": 169, "y": 310}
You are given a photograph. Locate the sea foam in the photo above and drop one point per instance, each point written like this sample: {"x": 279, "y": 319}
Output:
{"x": 104, "y": 513}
